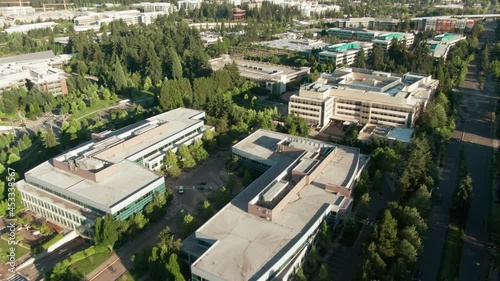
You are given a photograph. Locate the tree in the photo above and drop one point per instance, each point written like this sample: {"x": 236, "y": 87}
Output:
{"x": 98, "y": 238}
{"x": 186, "y": 159}
{"x": 171, "y": 95}
{"x": 174, "y": 171}
{"x": 206, "y": 211}
{"x": 360, "y": 60}
{"x": 299, "y": 276}
{"x": 140, "y": 220}
{"x": 377, "y": 58}
{"x": 410, "y": 234}
{"x": 198, "y": 151}
{"x": 167, "y": 240}
{"x": 464, "y": 193}
{"x": 495, "y": 68}
{"x": 109, "y": 231}
{"x": 386, "y": 234}
{"x": 297, "y": 125}
{"x": 147, "y": 83}
{"x": 118, "y": 76}
{"x": 188, "y": 225}
{"x": 421, "y": 200}
{"x": 170, "y": 159}
{"x": 173, "y": 269}
{"x": 175, "y": 64}
{"x": 324, "y": 275}
{"x": 49, "y": 138}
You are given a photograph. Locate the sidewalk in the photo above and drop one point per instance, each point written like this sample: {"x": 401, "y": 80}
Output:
{"x": 120, "y": 262}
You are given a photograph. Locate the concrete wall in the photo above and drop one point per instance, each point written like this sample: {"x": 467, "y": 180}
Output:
{"x": 68, "y": 237}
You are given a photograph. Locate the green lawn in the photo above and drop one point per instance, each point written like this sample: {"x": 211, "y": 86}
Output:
{"x": 129, "y": 276}
{"x": 5, "y": 250}
{"x": 450, "y": 263}
{"x": 85, "y": 266}
{"x": 92, "y": 110}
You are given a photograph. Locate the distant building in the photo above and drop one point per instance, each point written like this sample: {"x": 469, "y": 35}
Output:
{"x": 270, "y": 76}
{"x": 238, "y": 14}
{"x": 16, "y": 11}
{"x": 344, "y": 53}
{"x": 114, "y": 173}
{"x": 295, "y": 45}
{"x": 370, "y": 23}
{"x": 164, "y": 8}
{"x": 188, "y": 5}
{"x": 209, "y": 38}
{"x": 27, "y": 27}
{"x": 364, "y": 96}
{"x": 444, "y": 23}
{"x": 309, "y": 9}
{"x": 450, "y": 6}
{"x": 266, "y": 231}
{"x": 42, "y": 70}
{"x": 379, "y": 38}
{"x": 441, "y": 44}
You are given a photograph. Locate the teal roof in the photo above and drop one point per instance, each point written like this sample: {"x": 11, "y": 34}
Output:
{"x": 345, "y": 47}
{"x": 445, "y": 37}
{"x": 390, "y": 36}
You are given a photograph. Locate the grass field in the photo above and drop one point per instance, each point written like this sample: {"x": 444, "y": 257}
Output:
{"x": 92, "y": 110}
{"x": 450, "y": 263}
{"x": 5, "y": 249}
{"x": 85, "y": 266}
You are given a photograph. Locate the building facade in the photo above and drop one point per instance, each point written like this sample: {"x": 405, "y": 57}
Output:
{"x": 114, "y": 173}
{"x": 364, "y": 96}
{"x": 441, "y": 44}
{"x": 267, "y": 230}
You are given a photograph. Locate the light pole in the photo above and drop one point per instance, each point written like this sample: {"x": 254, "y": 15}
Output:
{"x": 432, "y": 189}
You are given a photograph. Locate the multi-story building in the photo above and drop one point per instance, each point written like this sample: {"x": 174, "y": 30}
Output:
{"x": 41, "y": 69}
{"x": 344, "y": 53}
{"x": 27, "y": 27}
{"x": 265, "y": 232}
{"x": 371, "y": 23}
{"x": 444, "y": 23}
{"x": 16, "y": 11}
{"x": 295, "y": 45}
{"x": 114, "y": 173}
{"x": 239, "y": 14}
{"x": 188, "y": 5}
{"x": 270, "y": 76}
{"x": 380, "y": 38}
{"x": 440, "y": 45}
{"x": 364, "y": 96}
{"x": 164, "y": 8}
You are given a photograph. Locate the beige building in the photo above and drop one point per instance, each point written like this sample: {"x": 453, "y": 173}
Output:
{"x": 364, "y": 96}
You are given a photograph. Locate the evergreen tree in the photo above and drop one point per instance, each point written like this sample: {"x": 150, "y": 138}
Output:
{"x": 118, "y": 76}
{"x": 49, "y": 138}
{"x": 175, "y": 64}
{"x": 360, "y": 60}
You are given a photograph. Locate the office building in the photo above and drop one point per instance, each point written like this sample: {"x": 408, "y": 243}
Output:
{"x": 114, "y": 173}
{"x": 446, "y": 23}
{"x": 295, "y": 45}
{"x": 270, "y": 76}
{"x": 42, "y": 70}
{"x": 344, "y": 53}
{"x": 380, "y": 38}
{"x": 364, "y": 96}
{"x": 441, "y": 44}
{"x": 16, "y": 11}
{"x": 188, "y": 5}
{"x": 266, "y": 231}
{"x": 366, "y": 22}
{"x": 27, "y": 27}
{"x": 164, "y": 8}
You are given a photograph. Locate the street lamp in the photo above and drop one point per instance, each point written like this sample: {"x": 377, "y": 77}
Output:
{"x": 432, "y": 189}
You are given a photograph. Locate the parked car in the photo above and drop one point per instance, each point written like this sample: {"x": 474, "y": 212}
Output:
{"x": 181, "y": 189}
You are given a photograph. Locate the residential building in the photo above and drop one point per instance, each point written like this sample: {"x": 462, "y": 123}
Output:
{"x": 295, "y": 45}
{"x": 364, "y": 96}
{"x": 344, "y": 53}
{"x": 266, "y": 231}
{"x": 380, "y": 38}
{"x": 27, "y": 27}
{"x": 270, "y": 76}
{"x": 41, "y": 69}
{"x": 441, "y": 44}
{"x": 114, "y": 173}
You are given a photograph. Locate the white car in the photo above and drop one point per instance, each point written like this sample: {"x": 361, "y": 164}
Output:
{"x": 181, "y": 189}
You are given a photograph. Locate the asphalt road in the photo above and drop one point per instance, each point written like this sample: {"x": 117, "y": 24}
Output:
{"x": 36, "y": 270}
{"x": 478, "y": 152}
{"x": 430, "y": 260}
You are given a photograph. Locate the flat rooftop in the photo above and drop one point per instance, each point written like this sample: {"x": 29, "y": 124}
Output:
{"x": 257, "y": 70}
{"x": 295, "y": 45}
{"x": 246, "y": 246}
{"x": 382, "y": 131}
{"x": 368, "y": 84}
{"x": 114, "y": 150}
